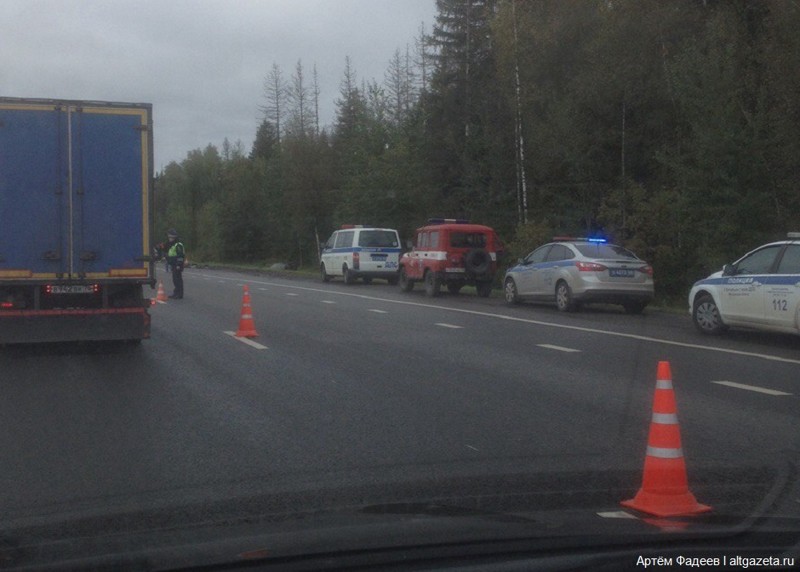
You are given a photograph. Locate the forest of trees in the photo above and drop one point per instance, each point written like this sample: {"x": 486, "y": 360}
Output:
{"x": 671, "y": 127}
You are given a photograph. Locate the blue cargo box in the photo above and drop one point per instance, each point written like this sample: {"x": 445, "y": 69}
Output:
{"x": 75, "y": 191}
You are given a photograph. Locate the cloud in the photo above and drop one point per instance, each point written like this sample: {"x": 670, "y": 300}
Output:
{"x": 200, "y": 63}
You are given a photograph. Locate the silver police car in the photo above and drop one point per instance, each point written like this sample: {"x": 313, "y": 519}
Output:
{"x": 760, "y": 290}
{"x": 571, "y": 271}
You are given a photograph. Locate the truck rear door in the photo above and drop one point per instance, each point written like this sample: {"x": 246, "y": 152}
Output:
{"x": 74, "y": 190}
{"x": 110, "y": 184}
{"x": 33, "y": 192}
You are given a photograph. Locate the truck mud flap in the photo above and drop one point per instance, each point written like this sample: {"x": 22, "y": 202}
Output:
{"x": 29, "y": 326}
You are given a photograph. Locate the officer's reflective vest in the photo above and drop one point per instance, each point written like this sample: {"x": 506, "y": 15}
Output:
{"x": 176, "y": 253}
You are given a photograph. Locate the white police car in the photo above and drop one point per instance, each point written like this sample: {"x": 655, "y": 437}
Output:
{"x": 356, "y": 251}
{"x": 760, "y": 290}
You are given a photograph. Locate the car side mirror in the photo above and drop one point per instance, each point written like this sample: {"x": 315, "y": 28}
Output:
{"x": 728, "y": 270}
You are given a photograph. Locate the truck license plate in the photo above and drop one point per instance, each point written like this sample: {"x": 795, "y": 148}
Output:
{"x": 71, "y": 289}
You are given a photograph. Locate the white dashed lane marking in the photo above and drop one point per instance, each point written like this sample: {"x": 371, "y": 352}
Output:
{"x": 616, "y": 514}
{"x": 247, "y": 341}
{"x": 451, "y": 326}
{"x": 752, "y": 388}
{"x": 327, "y": 301}
{"x": 542, "y": 323}
{"x": 378, "y": 311}
{"x": 558, "y": 348}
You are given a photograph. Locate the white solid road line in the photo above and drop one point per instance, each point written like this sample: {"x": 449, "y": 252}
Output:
{"x": 751, "y": 388}
{"x": 247, "y": 341}
{"x": 535, "y": 322}
{"x": 559, "y": 348}
{"x": 451, "y": 326}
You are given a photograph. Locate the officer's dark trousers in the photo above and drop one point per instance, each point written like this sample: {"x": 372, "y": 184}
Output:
{"x": 177, "y": 281}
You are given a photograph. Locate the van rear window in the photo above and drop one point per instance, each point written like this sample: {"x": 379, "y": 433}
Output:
{"x": 467, "y": 240}
{"x": 378, "y": 239}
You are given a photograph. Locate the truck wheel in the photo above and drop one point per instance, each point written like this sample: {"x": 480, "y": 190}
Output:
{"x": 406, "y": 284}
{"x": 432, "y": 284}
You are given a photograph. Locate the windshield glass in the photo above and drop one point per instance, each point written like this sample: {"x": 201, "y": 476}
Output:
{"x": 467, "y": 240}
{"x": 600, "y": 250}
{"x": 377, "y": 238}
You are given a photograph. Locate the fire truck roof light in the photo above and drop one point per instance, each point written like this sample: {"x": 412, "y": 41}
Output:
{"x": 448, "y": 220}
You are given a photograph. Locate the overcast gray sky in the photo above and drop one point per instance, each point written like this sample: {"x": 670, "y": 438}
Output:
{"x": 201, "y": 63}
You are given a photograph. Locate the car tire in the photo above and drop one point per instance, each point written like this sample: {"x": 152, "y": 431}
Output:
{"x": 634, "y": 307}
{"x": 349, "y": 275}
{"x": 325, "y": 276}
{"x": 406, "y": 284}
{"x": 511, "y": 292}
{"x": 433, "y": 284}
{"x": 705, "y": 315}
{"x": 454, "y": 287}
{"x": 564, "y": 300}
{"x": 484, "y": 289}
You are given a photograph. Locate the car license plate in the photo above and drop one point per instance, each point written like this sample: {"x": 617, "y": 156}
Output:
{"x": 71, "y": 289}
{"x": 621, "y": 273}
{"x": 379, "y": 257}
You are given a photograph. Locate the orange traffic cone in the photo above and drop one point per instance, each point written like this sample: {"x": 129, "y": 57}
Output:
{"x": 665, "y": 489}
{"x": 247, "y": 328}
{"x": 161, "y": 296}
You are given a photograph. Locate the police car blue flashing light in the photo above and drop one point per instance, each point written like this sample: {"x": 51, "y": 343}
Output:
{"x": 595, "y": 240}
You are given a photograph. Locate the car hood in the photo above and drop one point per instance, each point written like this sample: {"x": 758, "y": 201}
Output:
{"x": 501, "y": 518}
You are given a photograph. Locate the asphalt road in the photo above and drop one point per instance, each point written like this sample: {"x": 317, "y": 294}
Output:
{"x": 366, "y": 394}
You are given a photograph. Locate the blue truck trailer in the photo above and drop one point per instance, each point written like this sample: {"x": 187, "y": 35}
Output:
{"x": 76, "y": 208}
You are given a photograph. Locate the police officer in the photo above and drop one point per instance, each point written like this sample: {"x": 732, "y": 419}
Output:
{"x": 176, "y": 255}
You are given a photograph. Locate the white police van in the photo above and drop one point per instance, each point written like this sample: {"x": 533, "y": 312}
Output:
{"x": 356, "y": 251}
{"x": 760, "y": 290}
